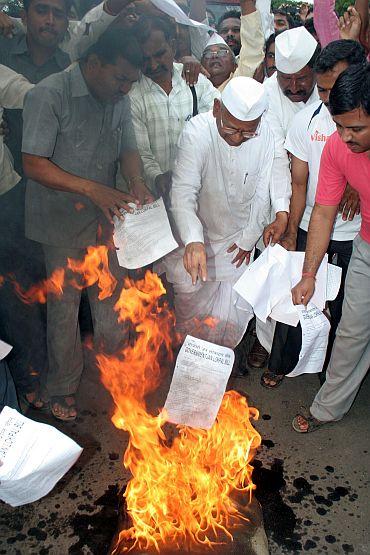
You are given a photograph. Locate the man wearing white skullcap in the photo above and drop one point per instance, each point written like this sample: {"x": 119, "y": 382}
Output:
{"x": 219, "y": 59}
{"x": 289, "y": 90}
{"x": 220, "y": 204}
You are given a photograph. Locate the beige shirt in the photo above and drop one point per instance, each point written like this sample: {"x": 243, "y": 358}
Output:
{"x": 13, "y": 88}
{"x": 252, "y": 47}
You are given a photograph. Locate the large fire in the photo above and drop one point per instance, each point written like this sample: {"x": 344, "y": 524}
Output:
{"x": 183, "y": 489}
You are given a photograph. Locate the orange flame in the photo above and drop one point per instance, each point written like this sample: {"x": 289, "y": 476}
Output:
{"x": 180, "y": 492}
{"x": 38, "y": 293}
{"x": 94, "y": 268}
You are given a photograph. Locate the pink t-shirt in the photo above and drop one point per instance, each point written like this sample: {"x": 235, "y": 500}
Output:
{"x": 338, "y": 166}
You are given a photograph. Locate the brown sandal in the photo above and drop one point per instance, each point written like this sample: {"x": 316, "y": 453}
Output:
{"x": 277, "y": 378}
{"x": 312, "y": 423}
{"x": 38, "y": 403}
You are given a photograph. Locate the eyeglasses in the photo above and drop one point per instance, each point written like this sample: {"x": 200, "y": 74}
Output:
{"x": 245, "y": 134}
{"x": 221, "y": 53}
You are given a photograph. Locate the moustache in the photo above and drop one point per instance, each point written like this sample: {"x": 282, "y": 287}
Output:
{"x": 159, "y": 69}
{"x": 49, "y": 30}
{"x": 288, "y": 92}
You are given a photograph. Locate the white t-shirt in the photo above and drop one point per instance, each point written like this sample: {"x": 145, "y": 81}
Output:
{"x": 306, "y": 139}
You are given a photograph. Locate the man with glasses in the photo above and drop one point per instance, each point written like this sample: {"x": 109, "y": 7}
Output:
{"x": 219, "y": 58}
{"x": 220, "y": 203}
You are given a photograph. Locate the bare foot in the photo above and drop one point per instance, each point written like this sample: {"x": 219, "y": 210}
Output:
{"x": 64, "y": 407}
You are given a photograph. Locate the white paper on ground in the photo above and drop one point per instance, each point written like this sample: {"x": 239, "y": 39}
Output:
{"x": 4, "y": 349}
{"x": 315, "y": 334}
{"x": 143, "y": 236}
{"x": 199, "y": 383}
{"x": 267, "y": 283}
{"x": 34, "y": 458}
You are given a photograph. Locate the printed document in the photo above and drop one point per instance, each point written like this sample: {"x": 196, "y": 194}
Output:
{"x": 143, "y": 236}
{"x": 33, "y": 456}
{"x": 315, "y": 334}
{"x": 199, "y": 383}
{"x": 267, "y": 283}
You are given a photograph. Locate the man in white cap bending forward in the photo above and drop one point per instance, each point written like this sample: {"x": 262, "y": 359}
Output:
{"x": 289, "y": 90}
{"x": 220, "y": 203}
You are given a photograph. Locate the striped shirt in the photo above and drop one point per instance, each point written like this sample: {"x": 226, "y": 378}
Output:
{"x": 159, "y": 118}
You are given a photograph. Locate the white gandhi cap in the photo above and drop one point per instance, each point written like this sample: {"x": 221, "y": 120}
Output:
{"x": 216, "y": 39}
{"x": 294, "y": 49}
{"x": 244, "y": 98}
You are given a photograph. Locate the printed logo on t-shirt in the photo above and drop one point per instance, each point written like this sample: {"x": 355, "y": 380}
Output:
{"x": 319, "y": 136}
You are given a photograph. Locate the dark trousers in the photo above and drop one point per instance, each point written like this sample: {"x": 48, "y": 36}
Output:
{"x": 287, "y": 341}
{"x": 21, "y": 325}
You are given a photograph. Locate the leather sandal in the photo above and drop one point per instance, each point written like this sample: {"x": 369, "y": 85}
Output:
{"x": 277, "y": 378}
{"x": 312, "y": 423}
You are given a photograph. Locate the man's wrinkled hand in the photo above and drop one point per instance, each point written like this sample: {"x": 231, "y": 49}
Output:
{"x": 350, "y": 204}
{"x": 303, "y": 292}
{"x": 195, "y": 261}
{"x": 110, "y": 201}
{"x": 274, "y": 231}
{"x": 289, "y": 241}
{"x": 6, "y": 25}
{"x": 141, "y": 192}
{"x": 241, "y": 256}
{"x": 191, "y": 69}
{"x": 350, "y": 24}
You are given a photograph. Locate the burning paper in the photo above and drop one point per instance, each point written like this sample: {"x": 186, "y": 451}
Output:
{"x": 199, "y": 383}
{"x": 33, "y": 458}
{"x": 143, "y": 236}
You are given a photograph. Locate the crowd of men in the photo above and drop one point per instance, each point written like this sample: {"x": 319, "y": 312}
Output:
{"x": 255, "y": 133}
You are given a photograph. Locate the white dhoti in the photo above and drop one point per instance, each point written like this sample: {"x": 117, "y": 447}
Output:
{"x": 209, "y": 310}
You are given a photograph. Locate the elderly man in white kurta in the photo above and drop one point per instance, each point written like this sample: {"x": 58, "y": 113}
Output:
{"x": 220, "y": 203}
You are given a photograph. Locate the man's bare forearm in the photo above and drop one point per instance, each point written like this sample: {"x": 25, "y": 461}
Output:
{"x": 48, "y": 174}
{"x": 114, "y": 7}
{"x": 131, "y": 164}
{"x": 297, "y": 207}
{"x": 197, "y": 10}
{"x": 319, "y": 232}
{"x": 362, "y": 6}
{"x": 247, "y": 6}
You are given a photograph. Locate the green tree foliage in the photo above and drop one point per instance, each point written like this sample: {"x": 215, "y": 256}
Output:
{"x": 340, "y": 5}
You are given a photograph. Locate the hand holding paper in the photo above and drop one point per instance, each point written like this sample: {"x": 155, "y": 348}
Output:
{"x": 303, "y": 292}
{"x": 143, "y": 236}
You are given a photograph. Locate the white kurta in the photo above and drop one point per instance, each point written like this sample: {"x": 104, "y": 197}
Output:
{"x": 13, "y": 88}
{"x": 220, "y": 196}
{"x": 280, "y": 115}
